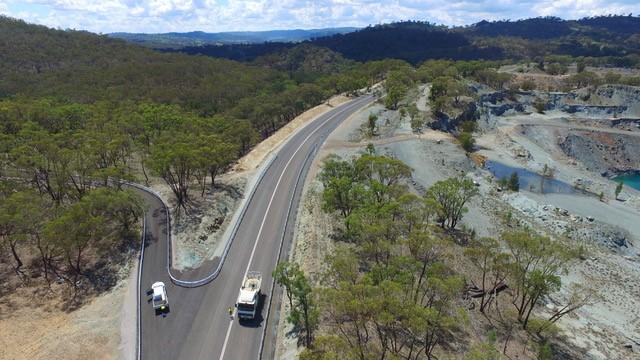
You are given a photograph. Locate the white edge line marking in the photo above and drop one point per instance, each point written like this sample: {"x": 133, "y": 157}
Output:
{"x": 273, "y": 195}
{"x": 139, "y": 295}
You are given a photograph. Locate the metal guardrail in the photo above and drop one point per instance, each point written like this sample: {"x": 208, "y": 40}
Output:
{"x": 216, "y": 272}
{"x": 236, "y": 225}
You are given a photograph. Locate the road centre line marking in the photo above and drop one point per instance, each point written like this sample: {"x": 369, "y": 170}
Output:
{"x": 264, "y": 218}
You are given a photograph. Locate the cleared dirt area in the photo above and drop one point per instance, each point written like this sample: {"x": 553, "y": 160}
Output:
{"x": 255, "y": 157}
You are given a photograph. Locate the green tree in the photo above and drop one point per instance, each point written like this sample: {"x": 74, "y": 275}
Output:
{"x": 467, "y": 141}
{"x": 384, "y": 169}
{"x": 493, "y": 264}
{"x": 415, "y": 117}
{"x": 284, "y": 274}
{"x": 371, "y": 124}
{"x": 584, "y": 79}
{"x": 303, "y": 313}
{"x": 451, "y": 196}
{"x": 395, "y": 93}
{"x": 439, "y": 87}
{"x": 49, "y": 164}
{"x": 556, "y": 69}
{"x": 342, "y": 189}
{"x": 468, "y": 126}
{"x": 18, "y": 214}
{"x": 540, "y": 106}
{"x": 456, "y": 89}
{"x": 177, "y": 161}
{"x": 537, "y": 262}
{"x": 397, "y": 84}
{"x": 74, "y": 231}
{"x": 482, "y": 351}
{"x": 214, "y": 156}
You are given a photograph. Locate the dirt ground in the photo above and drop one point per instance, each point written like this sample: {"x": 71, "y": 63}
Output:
{"x": 255, "y": 157}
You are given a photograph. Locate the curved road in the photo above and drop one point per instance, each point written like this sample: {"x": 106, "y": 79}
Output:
{"x": 198, "y": 325}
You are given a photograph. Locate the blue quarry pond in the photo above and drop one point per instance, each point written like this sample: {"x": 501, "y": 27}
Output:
{"x": 632, "y": 180}
{"x": 529, "y": 180}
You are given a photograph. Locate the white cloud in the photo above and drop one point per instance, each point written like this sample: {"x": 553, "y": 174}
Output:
{"x": 227, "y": 15}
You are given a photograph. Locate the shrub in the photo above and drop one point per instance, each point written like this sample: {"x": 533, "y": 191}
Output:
{"x": 467, "y": 141}
{"x": 514, "y": 182}
{"x": 468, "y": 126}
{"x": 540, "y": 106}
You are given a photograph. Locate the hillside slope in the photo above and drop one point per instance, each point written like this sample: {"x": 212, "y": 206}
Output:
{"x": 84, "y": 67}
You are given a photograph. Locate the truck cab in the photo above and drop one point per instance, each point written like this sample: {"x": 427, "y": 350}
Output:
{"x": 249, "y": 296}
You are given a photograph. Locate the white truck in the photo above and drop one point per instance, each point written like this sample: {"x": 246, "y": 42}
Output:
{"x": 249, "y": 297}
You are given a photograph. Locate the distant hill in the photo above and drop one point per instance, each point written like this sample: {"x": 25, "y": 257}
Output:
{"x": 197, "y": 38}
{"x": 416, "y": 41}
{"x": 410, "y": 41}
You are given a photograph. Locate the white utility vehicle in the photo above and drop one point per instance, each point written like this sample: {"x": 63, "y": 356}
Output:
{"x": 249, "y": 297}
{"x": 159, "y": 299}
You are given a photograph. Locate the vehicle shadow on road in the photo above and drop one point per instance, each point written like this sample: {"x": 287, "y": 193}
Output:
{"x": 257, "y": 321}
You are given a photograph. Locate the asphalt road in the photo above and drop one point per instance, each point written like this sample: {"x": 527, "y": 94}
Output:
{"x": 198, "y": 324}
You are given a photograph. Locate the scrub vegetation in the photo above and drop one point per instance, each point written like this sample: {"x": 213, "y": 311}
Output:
{"x": 392, "y": 289}
{"x": 80, "y": 113}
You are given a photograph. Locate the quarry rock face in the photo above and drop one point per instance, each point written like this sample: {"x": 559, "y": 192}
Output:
{"x": 605, "y": 153}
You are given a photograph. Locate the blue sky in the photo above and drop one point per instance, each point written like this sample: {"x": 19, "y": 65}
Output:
{"x": 231, "y": 15}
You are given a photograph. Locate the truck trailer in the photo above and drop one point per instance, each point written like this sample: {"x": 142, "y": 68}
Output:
{"x": 249, "y": 296}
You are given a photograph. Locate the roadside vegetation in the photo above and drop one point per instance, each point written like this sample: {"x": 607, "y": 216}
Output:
{"x": 395, "y": 287}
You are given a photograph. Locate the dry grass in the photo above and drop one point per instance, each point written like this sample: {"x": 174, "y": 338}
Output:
{"x": 34, "y": 326}
{"x": 478, "y": 159}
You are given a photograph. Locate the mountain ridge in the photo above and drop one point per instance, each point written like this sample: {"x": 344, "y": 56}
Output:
{"x": 196, "y": 38}
{"x": 416, "y": 41}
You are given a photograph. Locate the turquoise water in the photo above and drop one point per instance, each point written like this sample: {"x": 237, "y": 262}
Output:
{"x": 629, "y": 180}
